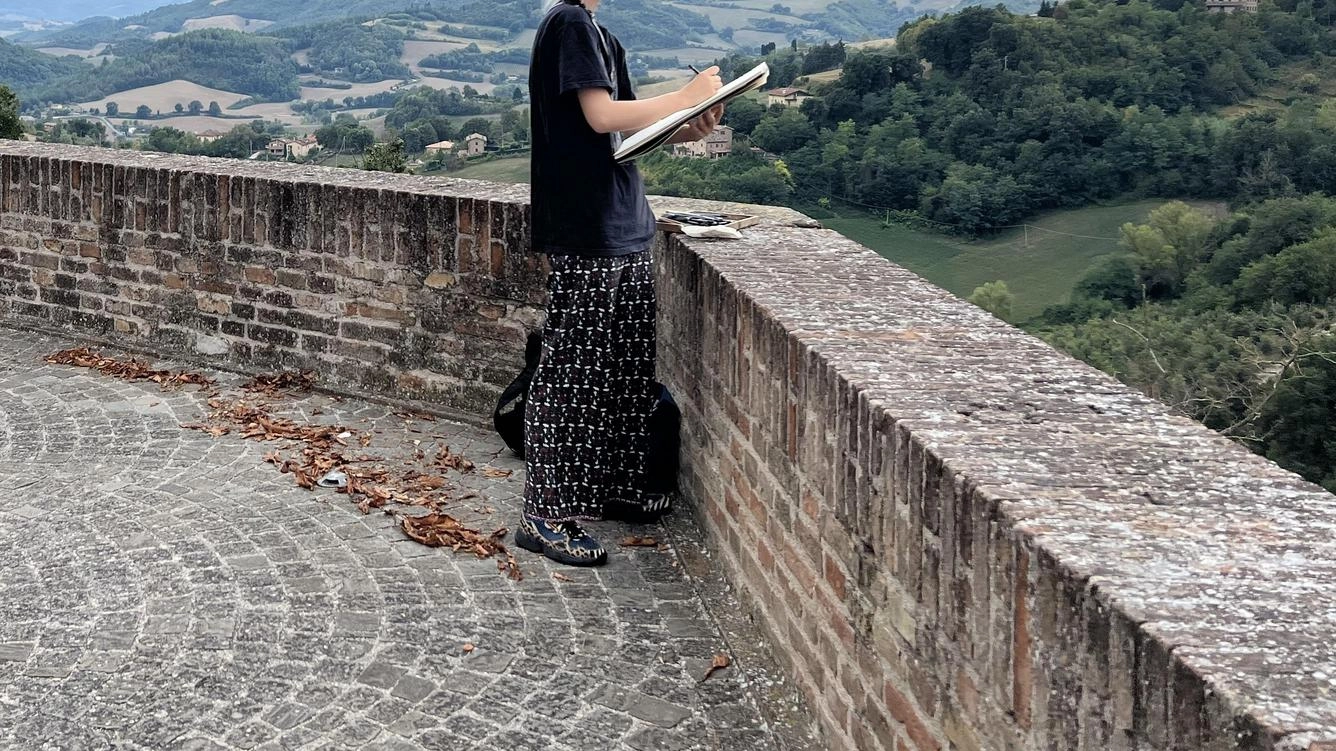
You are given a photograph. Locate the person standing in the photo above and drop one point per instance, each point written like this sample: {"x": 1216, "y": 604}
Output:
{"x": 594, "y": 389}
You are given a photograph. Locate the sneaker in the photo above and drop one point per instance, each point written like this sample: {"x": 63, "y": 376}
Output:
{"x": 563, "y": 542}
{"x": 654, "y": 507}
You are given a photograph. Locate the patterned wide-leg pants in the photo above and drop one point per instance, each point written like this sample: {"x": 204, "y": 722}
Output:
{"x": 585, "y": 424}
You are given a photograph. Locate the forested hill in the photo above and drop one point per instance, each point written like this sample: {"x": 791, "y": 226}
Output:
{"x": 228, "y": 60}
{"x": 1015, "y": 114}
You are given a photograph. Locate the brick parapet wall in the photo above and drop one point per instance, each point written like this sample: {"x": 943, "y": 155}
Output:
{"x": 957, "y": 537}
{"x": 960, "y": 538}
{"x": 419, "y": 288}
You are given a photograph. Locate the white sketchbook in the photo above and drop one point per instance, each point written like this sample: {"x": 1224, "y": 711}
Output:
{"x": 653, "y": 136}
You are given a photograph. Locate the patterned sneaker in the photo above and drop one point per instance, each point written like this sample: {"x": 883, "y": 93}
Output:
{"x": 651, "y": 509}
{"x": 563, "y": 542}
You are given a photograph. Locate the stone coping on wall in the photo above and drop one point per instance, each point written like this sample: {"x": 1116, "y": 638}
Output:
{"x": 1197, "y": 549}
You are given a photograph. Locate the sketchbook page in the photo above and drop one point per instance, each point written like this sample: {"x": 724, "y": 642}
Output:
{"x": 653, "y": 136}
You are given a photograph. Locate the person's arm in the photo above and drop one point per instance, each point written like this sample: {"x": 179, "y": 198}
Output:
{"x": 606, "y": 114}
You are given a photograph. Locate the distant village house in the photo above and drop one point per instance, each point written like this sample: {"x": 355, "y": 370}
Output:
{"x": 292, "y": 148}
{"x": 209, "y": 136}
{"x": 440, "y": 147}
{"x": 786, "y": 96}
{"x": 476, "y": 143}
{"x": 717, "y": 144}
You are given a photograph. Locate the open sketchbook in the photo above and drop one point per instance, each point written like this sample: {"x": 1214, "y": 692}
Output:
{"x": 649, "y": 138}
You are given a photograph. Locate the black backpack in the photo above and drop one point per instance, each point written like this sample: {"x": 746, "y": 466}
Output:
{"x": 661, "y": 459}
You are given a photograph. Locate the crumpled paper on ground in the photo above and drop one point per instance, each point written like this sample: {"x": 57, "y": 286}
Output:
{"x": 695, "y": 230}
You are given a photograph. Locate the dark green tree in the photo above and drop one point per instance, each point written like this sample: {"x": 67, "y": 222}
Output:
{"x": 10, "y": 125}
{"x": 1299, "y": 420}
{"x": 386, "y": 157}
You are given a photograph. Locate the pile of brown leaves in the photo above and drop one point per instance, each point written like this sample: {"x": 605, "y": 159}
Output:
{"x": 314, "y": 450}
{"x": 443, "y": 530}
{"x": 130, "y": 370}
{"x": 276, "y": 384}
{"x": 370, "y": 484}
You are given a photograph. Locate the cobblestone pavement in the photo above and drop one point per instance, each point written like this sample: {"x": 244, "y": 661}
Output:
{"x": 162, "y": 588}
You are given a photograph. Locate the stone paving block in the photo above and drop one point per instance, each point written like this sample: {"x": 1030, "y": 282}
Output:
{"x": 16, "y": 652}
{"x": 413, "y": 688}
{"x": 644, "y": 707}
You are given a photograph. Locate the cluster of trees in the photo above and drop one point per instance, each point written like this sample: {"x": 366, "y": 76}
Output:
{"x": 238, "y": 143}
{"x": 861, "y": 19}
{"x": 1229, "y": 321}
{"x": 742, "y": 177}
{"x": 650, "y": 24}
{"x": 422, "y": 115}
{"x": 425, "y": 102}
{"x": 469, "y": 58}
{"x": 344, "y": 135}
{"x": 78, "y": 131}
{"x": 351, "y": 50}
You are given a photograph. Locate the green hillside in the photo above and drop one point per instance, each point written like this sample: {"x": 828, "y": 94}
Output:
{"x": 1040, "y": 264}
{"x": 21, "y": 67}
{"x": 228, "y": 60}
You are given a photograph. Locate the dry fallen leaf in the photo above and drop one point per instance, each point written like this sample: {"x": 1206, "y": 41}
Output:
{"x": 562, "y": 577}
{"x": 496, "y": 473}
{"x": 636, "y": 541}
{"x": 720, "y": 662}
{"x": 274, "y": 384}
{"x": 467, "y": 648}
{"x": 446, "y": 460}
{"x": 130, "y": 370}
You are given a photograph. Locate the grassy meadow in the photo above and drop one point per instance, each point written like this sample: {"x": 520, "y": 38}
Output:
{"x": 1040, "y": 266}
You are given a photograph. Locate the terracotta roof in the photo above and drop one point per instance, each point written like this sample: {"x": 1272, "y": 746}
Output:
{"x": 787, "y": 91}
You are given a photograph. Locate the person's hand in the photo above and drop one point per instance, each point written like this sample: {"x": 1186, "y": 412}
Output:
{"x": 702, "y": 125}
{"x": 703, "y": 86}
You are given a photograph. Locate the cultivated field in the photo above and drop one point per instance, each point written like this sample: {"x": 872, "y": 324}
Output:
{"x": 416, "y": 49}
{"x": 188, "y": 123}
{"x": 164, "y": 97}
{"x": 512, "y": 170}
{"x": 690, "y": 54}
{"x": 63, "y": 51}
{"x": 482, "y": 87}
{"x": 232, "y": 23}
{"x": 738, "y": 18}
{"x": 872, "y": 43}
{"x": 358, "y": 89}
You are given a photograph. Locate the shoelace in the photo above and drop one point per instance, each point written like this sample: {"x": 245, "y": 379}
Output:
{"x": 571, "y": 529}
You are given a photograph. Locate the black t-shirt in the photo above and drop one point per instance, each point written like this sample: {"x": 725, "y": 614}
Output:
{"x": 582, "y": 202}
